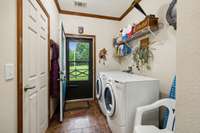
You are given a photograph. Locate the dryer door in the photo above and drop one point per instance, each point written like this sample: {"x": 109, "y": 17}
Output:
{"x": 99, "y": 87}
{"x": 109, "y": 100}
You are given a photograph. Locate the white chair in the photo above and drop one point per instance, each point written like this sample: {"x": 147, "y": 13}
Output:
{"x": 168, "y": 103}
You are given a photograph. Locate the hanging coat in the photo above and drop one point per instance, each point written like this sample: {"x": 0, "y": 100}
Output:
{"x": 55, "y": 69}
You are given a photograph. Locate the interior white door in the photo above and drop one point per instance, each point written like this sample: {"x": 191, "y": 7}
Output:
{"x": 35, "y": 67}
{"x": 43, "y": 71}
{"x": 63, "y": 79}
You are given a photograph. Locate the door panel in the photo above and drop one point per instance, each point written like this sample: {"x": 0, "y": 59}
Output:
{"x": 63, "y": 80}
{"x": 43, "y": 72}
{"x": 35, "y": 68}
{"x": 33, "y": 113}
{"x": 80, "y": 68}
{"x": 29, "y": 71}
{"x": 42, "y": 109}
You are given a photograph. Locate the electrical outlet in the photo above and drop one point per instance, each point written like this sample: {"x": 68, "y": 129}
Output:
{"x": 9, "y": 71}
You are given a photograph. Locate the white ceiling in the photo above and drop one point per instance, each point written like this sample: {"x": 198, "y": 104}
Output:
{"x": 113, "y": 8}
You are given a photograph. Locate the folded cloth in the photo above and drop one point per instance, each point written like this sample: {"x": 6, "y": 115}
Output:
{"x": 129, "y": 31}
{"x": 172, "y": 94}
{"x": 125, "y": 37}
{"x": 115, "y": 42}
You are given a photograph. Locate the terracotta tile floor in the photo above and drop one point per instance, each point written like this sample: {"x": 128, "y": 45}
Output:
{"x": 81, "y": 121}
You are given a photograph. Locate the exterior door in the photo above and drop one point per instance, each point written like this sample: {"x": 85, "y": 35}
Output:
{"x": 80, "y": 68}
{"x": 35, "y": 68}
{"x": 63, "y": 79}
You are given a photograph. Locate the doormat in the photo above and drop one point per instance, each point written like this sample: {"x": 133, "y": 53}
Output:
{"x": 73, "y": 106}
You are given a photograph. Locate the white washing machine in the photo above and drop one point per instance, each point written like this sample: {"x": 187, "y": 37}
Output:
{"x": 123, "y": 93}
{"x": 100, "y": 85}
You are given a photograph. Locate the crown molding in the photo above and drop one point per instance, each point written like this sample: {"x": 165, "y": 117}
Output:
{"x": 89, "y": 15}
{"x": 129, "y": 9}
{"x": 61, "y": 11}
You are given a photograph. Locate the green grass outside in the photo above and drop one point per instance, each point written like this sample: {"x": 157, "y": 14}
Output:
{"x": 79, "y": 77}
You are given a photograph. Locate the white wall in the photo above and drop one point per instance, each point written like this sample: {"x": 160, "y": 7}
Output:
{"x": 163, "y": 66}
{"x": 54, "y": 34}
{"x": 8, "y": 89}
{"x": 188, "y": 67}
{"x": 104, "y": 31}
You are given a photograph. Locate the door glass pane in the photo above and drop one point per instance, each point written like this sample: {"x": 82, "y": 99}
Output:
{"x": 78, "y": 61}
{"x": 78, "y": 51}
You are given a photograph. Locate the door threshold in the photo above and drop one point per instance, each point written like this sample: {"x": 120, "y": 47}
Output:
{"x": 79, "y": 100}
{"x": 77, "y": 106}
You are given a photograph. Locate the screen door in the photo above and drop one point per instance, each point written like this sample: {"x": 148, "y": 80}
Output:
{"x": 80, "y": 68}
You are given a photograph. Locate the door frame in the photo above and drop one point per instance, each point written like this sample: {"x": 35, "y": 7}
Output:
{"x": 93, "y": 37}
{"x": 19, "y": 47}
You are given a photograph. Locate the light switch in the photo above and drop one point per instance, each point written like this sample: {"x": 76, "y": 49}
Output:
{"x": 9, "y": 71}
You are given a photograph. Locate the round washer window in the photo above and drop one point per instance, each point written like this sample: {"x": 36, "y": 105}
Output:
{"x": 109, "y": 100}
{"x": 98, "y": 88}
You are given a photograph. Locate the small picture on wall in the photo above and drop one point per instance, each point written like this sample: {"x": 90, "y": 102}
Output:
{"x": 144, "y": 43}
{"x": 80, "y": 30}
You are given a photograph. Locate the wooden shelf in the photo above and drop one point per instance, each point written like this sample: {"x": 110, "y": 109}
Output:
{"x": 141, "y": 33}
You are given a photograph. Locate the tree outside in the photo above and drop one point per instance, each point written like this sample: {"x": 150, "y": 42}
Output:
{"x": 79, "y": 57}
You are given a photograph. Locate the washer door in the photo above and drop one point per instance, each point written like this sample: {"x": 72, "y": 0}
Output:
{"x": 99, "y": 87}
{"x": 109, "y": 100}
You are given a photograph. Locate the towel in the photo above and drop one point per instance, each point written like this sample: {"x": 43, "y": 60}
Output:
{"x": 172, "y": 94}
{"x": 54, "y": 73}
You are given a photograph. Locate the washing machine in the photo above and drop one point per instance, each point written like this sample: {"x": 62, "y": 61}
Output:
{"x": 123, "y": 93}
{"x": 101, "y": 80}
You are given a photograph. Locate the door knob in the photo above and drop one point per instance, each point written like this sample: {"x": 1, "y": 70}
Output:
{"x": 62, "y": 79}
{"x": 26, "y": 88}
{"x": 61, "y": 72}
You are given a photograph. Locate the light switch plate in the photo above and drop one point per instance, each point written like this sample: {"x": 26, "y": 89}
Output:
{"x": 9, "y": 71}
